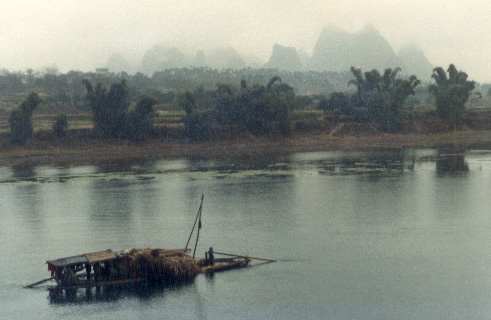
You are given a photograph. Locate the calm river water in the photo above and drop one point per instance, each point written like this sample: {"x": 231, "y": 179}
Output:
{"x": 379, "y": 235}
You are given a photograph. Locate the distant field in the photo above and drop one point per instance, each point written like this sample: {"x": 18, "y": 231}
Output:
{"x": 476, "y": 118}
{"x": 164, "y": 118}
{"x": 44, "y": 122}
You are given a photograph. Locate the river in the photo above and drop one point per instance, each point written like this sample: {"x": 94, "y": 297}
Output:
{"x": 359, "y": 235}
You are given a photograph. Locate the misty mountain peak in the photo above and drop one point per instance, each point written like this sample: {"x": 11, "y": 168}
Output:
{"x": 160, "y": 57}
{"x": 332, "y": 29}
{"x": 414, "y": 61}
{"x": 199, "y": 59}
{"x": 226, "y": 58}
{"x": 118, "y": 63}
{"x": 284, "y": 58}
{"x": 338, "y": 50}
{"x": 370, "y": 29}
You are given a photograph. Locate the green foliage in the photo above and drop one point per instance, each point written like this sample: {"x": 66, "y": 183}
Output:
{"x": 60, "y": 125}
{"x": 187, "y": 102}
{"x": 200, "y": 126}
{"x": 139, "y": 122}
{"x": 20, "y": 120}
{"x": 451, "y": 93}
{"x": 383, "y": 95}
{"x": 338, "y": 102}
{"x": 112, "y": 117}
{"x": 109, "y": 107}
{"x": 255, "y": 109}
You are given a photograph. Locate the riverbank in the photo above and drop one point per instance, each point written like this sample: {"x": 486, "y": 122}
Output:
{"x": 95, "y": 151}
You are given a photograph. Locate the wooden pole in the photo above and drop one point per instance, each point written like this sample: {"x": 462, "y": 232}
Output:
{"x": 197, "y": 235}
{"x": 195, "y": 221}
{"x": 32, "y": 285}
{"x": 241, "y": 256}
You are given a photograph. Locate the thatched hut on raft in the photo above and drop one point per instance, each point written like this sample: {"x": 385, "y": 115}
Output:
{"x": 158, "y": 266}
{"x": 162, "y": 265}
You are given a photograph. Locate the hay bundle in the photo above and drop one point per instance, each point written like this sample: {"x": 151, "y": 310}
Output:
{"x": 159, "y": 265}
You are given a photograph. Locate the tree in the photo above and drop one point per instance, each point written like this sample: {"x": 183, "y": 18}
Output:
{"x": 195, "y": 122}
{"x": 256, "y": 109}
{"x": 139, "y": 122}
{"x": 187, "y": 102}
{"x": 20, "y": 120}
{"x": 112, "y": 116}
{"x": 60, "y": 125}
{"x": 230, "y": 107}
{"x": 451, "y": 93}
{"x": 280, "y": 100}
{"x": 383, "y": 95}
{"x": 109, "y": 108}
{"x": 338, "y": 102}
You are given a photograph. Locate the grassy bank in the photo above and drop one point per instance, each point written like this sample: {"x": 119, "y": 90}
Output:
{"x": 80, "y": 151}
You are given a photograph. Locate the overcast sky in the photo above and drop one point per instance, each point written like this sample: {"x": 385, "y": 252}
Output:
{"x": 81, "y": 34}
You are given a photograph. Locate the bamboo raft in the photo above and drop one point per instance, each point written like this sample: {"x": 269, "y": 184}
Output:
{"x": 110, "y": 268}
{"x": 133, "y": 266}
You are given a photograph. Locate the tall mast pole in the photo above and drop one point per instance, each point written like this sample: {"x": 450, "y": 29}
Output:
{"x": 198, "y": 215}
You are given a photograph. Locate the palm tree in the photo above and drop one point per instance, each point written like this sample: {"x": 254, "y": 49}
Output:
{"x": 451, "y": 93}
{"x": 358, "y": 82}
{"x": 383, "y": 95}
{"x": 273, "y": 81}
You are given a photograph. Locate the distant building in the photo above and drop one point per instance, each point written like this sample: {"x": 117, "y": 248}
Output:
{"x": 102, "y": 70}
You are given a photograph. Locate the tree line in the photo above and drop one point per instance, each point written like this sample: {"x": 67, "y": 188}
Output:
{"x": 66, "y": 90}
{"x": 380, "y": 98}
{"x": 229, "y": 111}
{"x": 258, "y": 109}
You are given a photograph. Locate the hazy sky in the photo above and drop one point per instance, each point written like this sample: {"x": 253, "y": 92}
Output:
{"x": 81, "y": 34}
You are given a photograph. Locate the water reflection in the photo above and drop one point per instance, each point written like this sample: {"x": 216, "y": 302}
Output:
{"x": 130, "y": 165}
{"x": 111, "y": 208}
{"x": 24, "y": 171}
{"x": 371, "y": 164}
{"x": 450, "y": 161}
{"x": 28, "y": 201}
{"x": 267, "y": 162}
{"x": 27, "y": 195}
{"x": 370, "y": 229}
{"x": 108, "y": 294}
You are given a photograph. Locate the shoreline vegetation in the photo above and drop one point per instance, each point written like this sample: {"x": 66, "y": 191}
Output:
{"x": 96, "y": 151}
{"x": 379, "y": 110}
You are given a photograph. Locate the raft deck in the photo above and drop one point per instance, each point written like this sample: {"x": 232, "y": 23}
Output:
{"x": 134, "y": 266}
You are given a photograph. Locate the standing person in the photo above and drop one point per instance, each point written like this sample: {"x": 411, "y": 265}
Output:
{"x": 88, "y": 269}
{"x": 97, "y": 271}
{"x": 211, "y": 256}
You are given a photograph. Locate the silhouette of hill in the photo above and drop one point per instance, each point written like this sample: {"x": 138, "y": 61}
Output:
{"x": 284, "y": 58}
{"x": 199, "y": 59}
{"x": 415, "y": 62}
{"x": 338, "y": 50}
{"x": 225, "y": 58}
{"x": 160, "y": 58}
{"x": 118, "y": 63}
